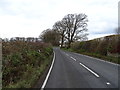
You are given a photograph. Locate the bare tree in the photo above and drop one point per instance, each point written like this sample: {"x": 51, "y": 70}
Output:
{"x": 72, "y": 28}
{"x": 44, "y": 35}
{"x": 74, "y": 25}
{"x": 61, "y": 29}
{"x": 50, "y": 36}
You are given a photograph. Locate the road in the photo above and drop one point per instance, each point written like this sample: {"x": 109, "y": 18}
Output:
{"x": 72, "y": 70}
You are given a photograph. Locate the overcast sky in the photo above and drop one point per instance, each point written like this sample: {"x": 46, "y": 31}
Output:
{"x": 28, "y": 18}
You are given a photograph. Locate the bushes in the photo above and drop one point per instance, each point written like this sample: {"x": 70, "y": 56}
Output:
{"x": 99, "y": 45}
{"x": 106, "y": 47}
{"x": 102, "y": 48}
{"x": 23, "y": 63}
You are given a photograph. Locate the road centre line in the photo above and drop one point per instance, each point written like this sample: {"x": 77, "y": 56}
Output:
{"x": 67, "y": 54}
{"x": 107, "y": 83}
{"x": 90, "y": 70}
{"x": 73, "y": 58}
{"x": 98, "y": 59}
{"x": 46, "y": 79}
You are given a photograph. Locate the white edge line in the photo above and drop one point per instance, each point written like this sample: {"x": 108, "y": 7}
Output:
{"x": 73, "y": 58}
{"x": 46, "y": 79}
{"x": 89, "y": 70}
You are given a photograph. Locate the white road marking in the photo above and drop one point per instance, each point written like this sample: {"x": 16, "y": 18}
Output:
{"x": 46, "y": 79}
{"x": 107, "y": 83}
{"x": 73, "y": 58}
{"x": 90, "y": 70}
{"x": 67, "y": 54}
{"x": 98, "y": 59}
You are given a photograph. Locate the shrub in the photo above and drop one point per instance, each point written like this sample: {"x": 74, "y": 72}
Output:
{"x": 21, "y": 60}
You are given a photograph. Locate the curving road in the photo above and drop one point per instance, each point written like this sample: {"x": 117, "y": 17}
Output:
{"x": 72, "y": 70}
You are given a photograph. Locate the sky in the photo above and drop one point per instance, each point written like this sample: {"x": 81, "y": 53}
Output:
{"x": 28, "y": 18}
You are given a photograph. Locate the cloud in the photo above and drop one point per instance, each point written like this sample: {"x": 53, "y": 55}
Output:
{"x": 31, "y": 17}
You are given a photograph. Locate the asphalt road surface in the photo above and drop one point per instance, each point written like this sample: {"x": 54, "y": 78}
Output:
{"x": 72, "y": 70}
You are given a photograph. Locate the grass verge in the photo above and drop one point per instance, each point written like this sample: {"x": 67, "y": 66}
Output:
{"x": 106, "y": 58}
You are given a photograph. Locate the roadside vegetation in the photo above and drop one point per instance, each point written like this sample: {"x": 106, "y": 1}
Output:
{"x": 26, "y": 59}
{"x": 106, "y": 48}
{"x": 71, "y": 28}
{"x": 70, "y": 33}
{"x": 24, "y": 63}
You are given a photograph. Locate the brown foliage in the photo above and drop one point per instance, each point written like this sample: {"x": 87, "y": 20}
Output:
{"x": 19, "y": 55}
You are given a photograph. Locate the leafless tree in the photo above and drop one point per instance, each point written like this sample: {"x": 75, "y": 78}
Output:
{"x": 61, "y": 29}
{"x": 50, "y": 36}
{"x": 72, "y": 27}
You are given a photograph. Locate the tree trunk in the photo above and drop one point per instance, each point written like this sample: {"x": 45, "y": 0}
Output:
{"x": 62, "y": 42}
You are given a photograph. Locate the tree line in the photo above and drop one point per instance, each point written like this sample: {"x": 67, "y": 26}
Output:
{"x": 28, "y": 39}
{"x": 71, "y": 28}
